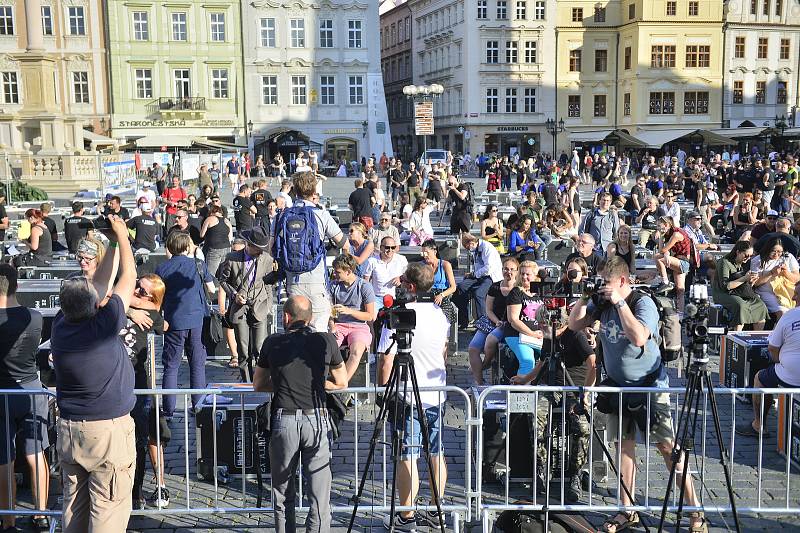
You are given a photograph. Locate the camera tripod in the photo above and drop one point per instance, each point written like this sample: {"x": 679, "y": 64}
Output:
{"x": 401, "y": 374}
{"x": 550, "y": 365}
{"x": 698, "y": 382}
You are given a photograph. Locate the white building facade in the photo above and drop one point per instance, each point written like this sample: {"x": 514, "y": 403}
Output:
{"x": 495, "y": 60}
{"x": 313, "y": 78}
{"x": 761, "y": 60}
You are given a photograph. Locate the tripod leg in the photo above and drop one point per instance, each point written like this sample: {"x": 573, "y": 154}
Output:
{"x": 398, "y": 435}
{"x": 678, "y": 449}
{"x": 686, "y": 447}
{"x": 723, "y": 452}
{"x": 424, "y": 437}
{"x": 391, "y": 385}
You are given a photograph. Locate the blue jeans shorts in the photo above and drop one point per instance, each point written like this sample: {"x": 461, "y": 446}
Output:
{"x": 412, "y": 443}
{"x": 684, "y": 266}
{"x": 770, "y": 380}
{"x": 479, "y": 339}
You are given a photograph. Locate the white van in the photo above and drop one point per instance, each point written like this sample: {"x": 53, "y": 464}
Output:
{"x": 435, "y": 155}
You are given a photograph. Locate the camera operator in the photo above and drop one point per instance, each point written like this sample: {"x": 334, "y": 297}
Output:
{"x": 428, "y": 351}
{"x": 294, "y": 365}
{"x": 631, "y": 358}
{"x": 94, "y": 382}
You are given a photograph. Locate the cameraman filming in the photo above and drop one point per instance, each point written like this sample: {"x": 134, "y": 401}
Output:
{"x": 631, "y": 358}
{"x": 428, "y": 350}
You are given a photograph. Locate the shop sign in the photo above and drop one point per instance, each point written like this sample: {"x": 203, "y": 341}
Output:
{"x": 511, "y": 129}
{"x": 423, "y": 118}
{"x": 341, "y": 131}
{"x": 177, "y": 123}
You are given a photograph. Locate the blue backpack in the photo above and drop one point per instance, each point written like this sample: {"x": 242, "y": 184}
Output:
{"x": 298, "y": 246}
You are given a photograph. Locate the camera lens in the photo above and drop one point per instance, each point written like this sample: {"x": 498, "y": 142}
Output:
{"x": 572, "y": 274}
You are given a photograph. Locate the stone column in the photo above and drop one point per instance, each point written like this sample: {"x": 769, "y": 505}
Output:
{"x": 33, "y": 25}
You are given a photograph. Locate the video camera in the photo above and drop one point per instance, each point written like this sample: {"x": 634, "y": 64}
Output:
{"x": 697, "y": 325}
{"x": 395, "y": 315}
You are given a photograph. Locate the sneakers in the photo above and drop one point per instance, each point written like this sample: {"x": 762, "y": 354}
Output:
{"x": 429, "y": 519}
{"x": 573, "y": 490}
{"x": 139, "y": 504}
{"x": 400, "y": 523}
{"x": 663, "y": 286}
{"x": 160, "y": 497}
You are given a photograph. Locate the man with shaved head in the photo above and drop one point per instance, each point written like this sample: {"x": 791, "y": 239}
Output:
{"x": 298, "y": 366}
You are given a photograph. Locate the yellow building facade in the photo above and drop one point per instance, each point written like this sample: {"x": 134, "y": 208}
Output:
{"x": 643, "y": 66}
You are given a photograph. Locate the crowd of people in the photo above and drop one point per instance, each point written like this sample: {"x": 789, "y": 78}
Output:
{"x": 330, "y": 315}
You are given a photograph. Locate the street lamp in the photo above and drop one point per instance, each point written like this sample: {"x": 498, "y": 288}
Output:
{"x": 249, "y": 133}
{"x": 423, "y": 93}
{"x": 554, "y": 128}
{"x": 364, "y": 129}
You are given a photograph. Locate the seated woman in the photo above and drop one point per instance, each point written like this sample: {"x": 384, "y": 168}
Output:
{"x": 444, "y": 282}
{"x": 360, "y": 246}
{"x": 744, "y": 215}
{"x": 732, "y": 287}
{"x": 419, "y": 223}
{"x": 523, "y": 333}
{"x": 777, "y": 271}
{"x": 575, "y": 272}
{"x": 674, "y": 255}
{"x": 524, "y": 239}
{"x": 492, "y": 228}
{"x": 489, "y": 328}
{"x": 353, "y": 306}
{"x": 648, "y": 220}
{"x": 89, "y": 255}
{"x": 561, "y": 223}
{"x": 40, "y": 242}
{"x": 623, "y": 246}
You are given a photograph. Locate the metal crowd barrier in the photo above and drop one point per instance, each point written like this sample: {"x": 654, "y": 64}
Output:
{"x": 240, "y": 496}
{"x": 525, "y": 400}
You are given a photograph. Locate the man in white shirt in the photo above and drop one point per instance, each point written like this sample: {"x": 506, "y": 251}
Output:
{"x": 784, "y": 371}
{"x": 487, "y": 268}
{"x": 384, "y": 273}
{"x": 428, "y": 348}
{"x": 147, "y": 192}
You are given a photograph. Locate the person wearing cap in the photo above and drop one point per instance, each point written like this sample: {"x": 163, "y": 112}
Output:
{"x": 246, "y": 277}
{"x": 148, "y": 194}
{"x": 762, "y": 228}
{"x": 90, "y": 253}
{"x": 146, "y": 228}
{"x": 76, "y": 227}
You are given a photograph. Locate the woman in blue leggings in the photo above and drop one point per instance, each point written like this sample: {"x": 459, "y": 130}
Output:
{"x": 522, "y": 307}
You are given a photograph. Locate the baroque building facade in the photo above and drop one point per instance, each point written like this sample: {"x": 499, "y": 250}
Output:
{"x": 313, "y": 78}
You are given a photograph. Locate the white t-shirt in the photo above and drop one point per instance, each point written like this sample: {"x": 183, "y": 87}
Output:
{"x": 150, "y": 194}
{"x": 421, "y": 221}
{"x": 427, "y": 348}
{"x": 407, "y": 210}
{"x": 381, "y": 273}
{"x": 786, "y": 335}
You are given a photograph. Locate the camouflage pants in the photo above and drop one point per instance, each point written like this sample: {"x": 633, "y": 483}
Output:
{"x": 576, "y": 427}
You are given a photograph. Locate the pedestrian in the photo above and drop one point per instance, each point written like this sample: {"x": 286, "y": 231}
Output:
{"x": 26, "y": 417}
{"x": 186, "y": 304}
{"x": 294, "y": 366}
{"x": 94, "y": 391}
{"x": 247, "y": 277}
{"x": 171, "y": 196}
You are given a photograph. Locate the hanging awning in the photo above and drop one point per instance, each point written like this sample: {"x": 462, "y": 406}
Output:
{"x": 658, "y": 138}
{"x": 626, "y": 139}
{"x": 218, "y": 145}
{"x": 739, "y": 133}
{"x": 98, "y": 140}
{"x": 596, "y": 136}
{"x": 791, "y": 132}
{"x": 159, "y": 139}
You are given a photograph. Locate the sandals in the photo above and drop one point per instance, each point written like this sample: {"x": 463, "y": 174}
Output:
{"x": 698, "y": 527}
{"x": 631, "y": 520}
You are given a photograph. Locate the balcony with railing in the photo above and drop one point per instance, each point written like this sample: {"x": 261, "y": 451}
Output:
{"x": 169, "y": 107}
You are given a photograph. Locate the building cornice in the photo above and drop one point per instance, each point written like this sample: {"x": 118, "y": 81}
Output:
{"x": 300, "y": 4}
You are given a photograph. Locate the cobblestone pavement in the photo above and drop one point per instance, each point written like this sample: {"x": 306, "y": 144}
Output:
{"x": 347, "y": 452}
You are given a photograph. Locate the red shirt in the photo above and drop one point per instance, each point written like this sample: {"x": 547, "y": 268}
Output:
{"x": 173, "y": 195}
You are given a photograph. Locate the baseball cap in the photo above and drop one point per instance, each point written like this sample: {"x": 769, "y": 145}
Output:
{"x": 693, "y": 214}
{"x": 147, "y": 184}
{"x": 772, "y": 213}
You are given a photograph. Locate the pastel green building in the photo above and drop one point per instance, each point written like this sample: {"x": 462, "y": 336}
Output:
{"x": 176, "y": 72}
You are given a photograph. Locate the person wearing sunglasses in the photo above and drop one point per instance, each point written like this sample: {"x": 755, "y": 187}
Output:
{"x": 732, "y": 287}
{"x": 182, "y": 226}
{"x": 144, "y": 318}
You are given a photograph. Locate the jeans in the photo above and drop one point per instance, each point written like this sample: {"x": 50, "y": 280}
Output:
{"x": 295, "y": 432}
{"x": 190, "y": 340}
{"x": 214, "y": 258}
{"x": 249, "y": 338}
{"x": 468, "y": 289}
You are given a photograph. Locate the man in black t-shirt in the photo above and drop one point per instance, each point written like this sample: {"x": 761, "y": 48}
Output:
{"x": 115, "y": 208}
{"x": 243, "y": 209}
{"x": 260, "y": 198}
{"x": 182, "y": 225}
{"x": 361, "y": 205}
{"x": 585, "y": 249}
{"x": 146, "y": 228}
{"x": 46, "y": 208}
{"x": 20, "y": 333}
{"x": 76, "y": 227}
{"x": 293, "y": 365}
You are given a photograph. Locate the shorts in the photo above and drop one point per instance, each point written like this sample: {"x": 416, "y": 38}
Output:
{"x": 769, "y": 379}
{"x": 479, "y": 339}
{"x": 352, "y": 332}
{"x": 684, "y": 265}
{"x": 21, "y": 422}
{"x": 661, "y": 431}
{"x": 412, "y": 443}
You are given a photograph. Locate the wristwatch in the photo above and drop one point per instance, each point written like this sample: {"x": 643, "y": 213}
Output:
{"x": 620, "y": 304}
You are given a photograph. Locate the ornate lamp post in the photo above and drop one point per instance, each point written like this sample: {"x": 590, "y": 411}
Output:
{"x": 554, "y": 128}
{"x": 423, "y": 93}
